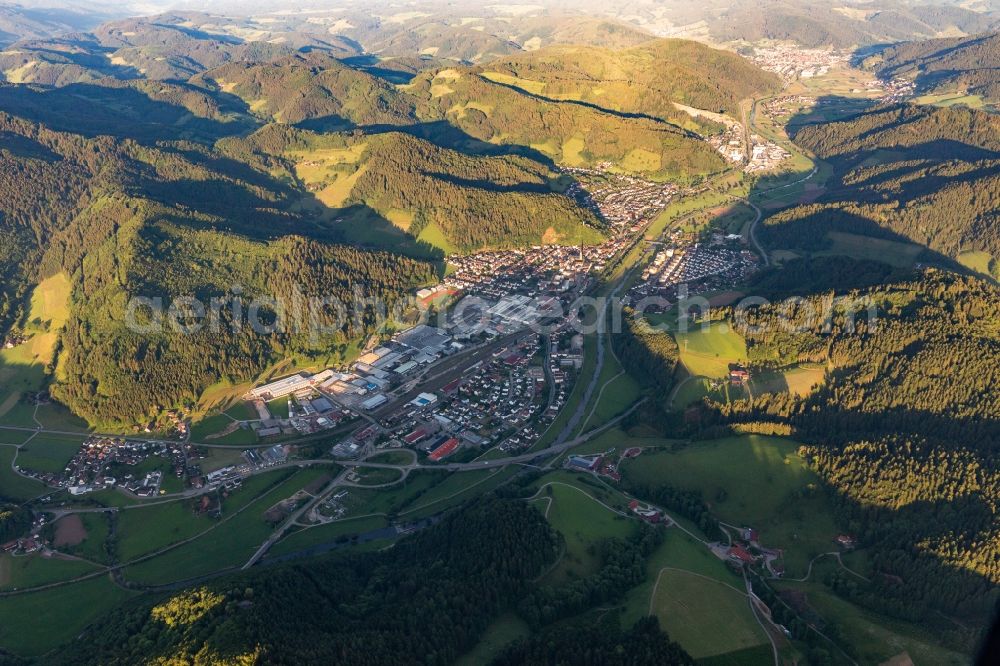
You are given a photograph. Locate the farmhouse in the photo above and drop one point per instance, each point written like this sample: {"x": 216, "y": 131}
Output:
{"x": 738, "y": 375}
{"x": 740, "y": 555}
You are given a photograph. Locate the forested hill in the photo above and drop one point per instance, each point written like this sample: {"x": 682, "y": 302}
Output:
{"x": 817, "y": 23}
{"x": 921, "y": 174}
{"x": 569, "y": 133}
{"x": 126, "y": 220}
{"x": 904, "y": 429}
{"x": 644, "y": 80}
{"x": 312, "y": 86}
{"x": 967, "y": 63}
{"x": 160, "y": 48}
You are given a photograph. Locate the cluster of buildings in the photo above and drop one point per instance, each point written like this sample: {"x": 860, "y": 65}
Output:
{"x": 891, "y": 90}
{"x": 792, "y": 62}
{"x": 532, "y": 272}
{"x": 33, "y": 543}
{"x": 647, "y": 512}
{"x": 729, "y": 142}
{"x": 601, "y": 465}
{"x": 498, "y": 399}
{"x": 699, "y": 267}
{"x": 764, "y": 155}
{"x": 109, "y": 462}
{"x": 626, "y": 203}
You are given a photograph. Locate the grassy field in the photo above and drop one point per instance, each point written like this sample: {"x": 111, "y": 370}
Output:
{"x": 219, "y": 397}
{"x": 695, "y": 388}
{"x": 323, "y": 534}
{"x": 618, "y": 395}
{"x": 502, "y": 632}
{"x": 218, "y": 458}
{"x": 376, "y": 476}
{"x": 456, "y": 489}
{"x": 392, "y": 458}
{"x": 760, "y": 482}
{"x": 434, "y": 236}
{"x": 981, "y": 262}
{"x": 895, "y": 253}
{"x": 708, "y": 350}
{"x": 678, "y": 551}
{"x": 34, "y": 570}
{"x": 394, "y": 498}
{"x": 208, "y": 426}
{"x": 148, "y": 529}
{"x": 56, "y": 417}
{"x": 22, "y": 368}
{"x": 680, "y": 556}
{"x": 278, "y": 408}
{"x": 48, "y": 453}
{"x": 876, "y": 638}
{"x": 228, "y": 545}
{"x": 955, "y": 98}
{"x": 799, "y": 380}
{"x": 583, "y": 522}
{"x": 65, "y": 610}
{"x": 705, "y": 616}
{"x": 12, "y": 484}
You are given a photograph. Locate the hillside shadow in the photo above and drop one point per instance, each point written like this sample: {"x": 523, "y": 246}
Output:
{"x": 828, "y": 108}
{"x": 862, "y": 176}
{"x": 490, "y": 186}
{"x": 445, "y": 135}
{"x": 375, "y": 66}
{"x": 94, "y": 110}
{"x": 598, "y": 108}
{"x": 84, "y": 52}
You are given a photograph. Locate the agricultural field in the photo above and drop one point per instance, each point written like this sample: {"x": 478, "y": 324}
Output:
{"x": 707, "y": 617}
{"x": 29, "y": 571}
{"x": 83, "y": 535}
{"x": 12, "y": 484}
{"x": 955, "y": 98}
{"x": 895, "y": 253}
{"x": 147, "y": 529}
{"x": 229, "y": 544}
{"x": 48, "y": 452}
{"x": 753, "y": 481}
{"x": 67, "y": 610}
